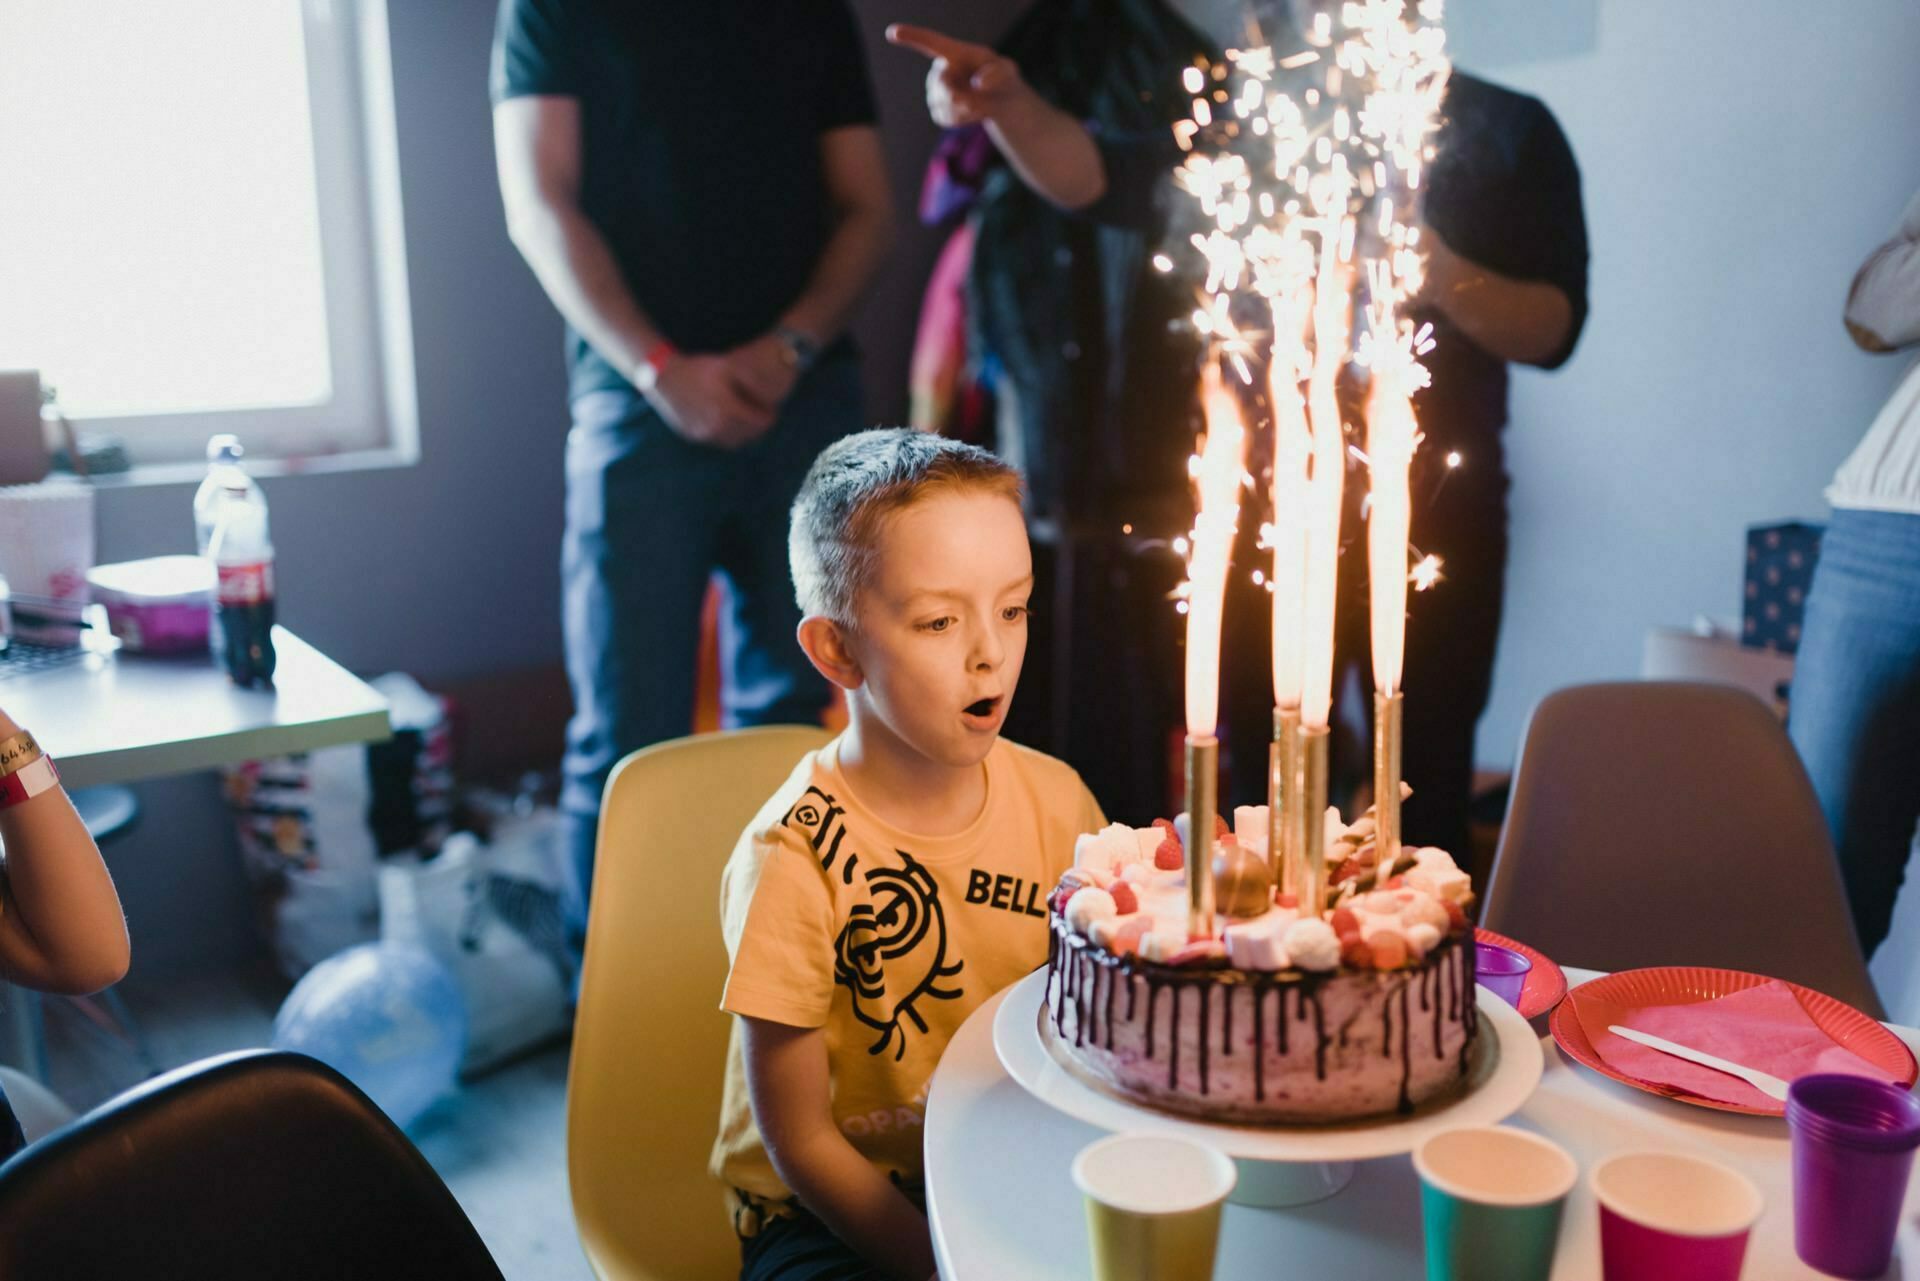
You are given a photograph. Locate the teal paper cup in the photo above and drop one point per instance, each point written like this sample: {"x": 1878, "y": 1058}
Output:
{"x": 1490, "y": 1201}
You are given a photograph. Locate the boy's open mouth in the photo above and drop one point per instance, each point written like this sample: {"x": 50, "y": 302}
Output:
{"x": 983, "y": 708}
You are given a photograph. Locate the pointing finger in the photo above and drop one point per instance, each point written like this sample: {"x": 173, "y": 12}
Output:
{"x": 934, "y": 44}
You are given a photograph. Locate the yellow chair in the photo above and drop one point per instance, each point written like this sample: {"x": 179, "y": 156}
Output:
{"x": 649, "y": 1038}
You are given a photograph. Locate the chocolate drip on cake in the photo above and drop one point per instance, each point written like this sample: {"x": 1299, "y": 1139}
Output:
{"x": 1260, "y": 1040}
{"x": 1082, "y": 971}
{"x": 1113, "y": 976}
{"x": 1173, "y": 1039}
{"x": 1321, "y": 1040}
{"x": 1206, "y": 1000}
{"x": 1469, "y": 1011}
{"x": 1432, "y": 977}
{"x": 1075, "y": 964}
{"x": 1053, "y": 959}
{"x": 1453, "y": 999}
{"x": 1060, "y": 1003}
{"x": 1406, "y": 1051}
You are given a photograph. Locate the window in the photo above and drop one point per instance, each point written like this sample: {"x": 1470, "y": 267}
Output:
{"x": 202, "y": 227}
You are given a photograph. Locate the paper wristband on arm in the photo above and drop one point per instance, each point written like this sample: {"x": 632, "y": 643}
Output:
{"x": 17, "y": 752}
{"x": 28, "y": 782}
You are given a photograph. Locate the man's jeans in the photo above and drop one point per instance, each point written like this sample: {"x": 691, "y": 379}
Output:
{"x": 1855, "y": 703}
{"x": 649, "y": 518}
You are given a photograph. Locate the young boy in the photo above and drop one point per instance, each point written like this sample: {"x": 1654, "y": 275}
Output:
{"x": 899, "y": 878}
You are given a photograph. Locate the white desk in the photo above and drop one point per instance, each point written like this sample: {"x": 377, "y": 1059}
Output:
{"x": 113, "y": 718}
{"x": 1001, "y": 1203}
{"x": 118, "y": 718}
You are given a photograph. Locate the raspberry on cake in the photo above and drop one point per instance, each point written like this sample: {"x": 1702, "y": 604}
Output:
{"x": 1363, "y": 1007}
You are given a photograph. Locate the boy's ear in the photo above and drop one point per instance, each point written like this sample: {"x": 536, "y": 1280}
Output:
{"x": 825, "y": 643}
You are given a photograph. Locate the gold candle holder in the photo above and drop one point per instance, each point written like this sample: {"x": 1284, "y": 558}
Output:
{"x": 1283, "y": 800}
{"x": 1387, "y": 722}
{"x": 1313, "y": 819}
{"x": 1203, "y": 781}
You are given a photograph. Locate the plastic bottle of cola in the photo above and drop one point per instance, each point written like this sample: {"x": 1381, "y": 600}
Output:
{"x": 225, "y": 477}
{"x": 242, "y": 555}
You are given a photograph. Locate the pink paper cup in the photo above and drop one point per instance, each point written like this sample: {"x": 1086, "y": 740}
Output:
{"x": 1664, "y": 1215}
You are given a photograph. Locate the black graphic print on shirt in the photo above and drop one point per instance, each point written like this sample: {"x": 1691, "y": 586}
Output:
{"x": 892, "y": 953}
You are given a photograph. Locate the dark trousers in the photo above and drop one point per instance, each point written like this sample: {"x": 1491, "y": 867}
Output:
{"x": 650, "y": 517}
{"x": 796, "y": 1246}
{"x": 799, "y": 1247}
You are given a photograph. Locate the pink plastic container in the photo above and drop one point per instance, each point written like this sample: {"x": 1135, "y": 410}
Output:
{"x": 158, "y": 606}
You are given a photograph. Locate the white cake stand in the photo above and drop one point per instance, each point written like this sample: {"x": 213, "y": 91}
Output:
{"x": 1282, "y": 1165}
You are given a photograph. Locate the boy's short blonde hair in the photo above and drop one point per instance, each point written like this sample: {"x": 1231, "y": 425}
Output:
{"x": 853, "y": 486}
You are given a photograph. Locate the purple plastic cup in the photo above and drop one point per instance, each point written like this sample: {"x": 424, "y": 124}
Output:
{"x": 1853, "y": 1142}
{"x": 1501, "y": 970}
{"x": 1665, "y": 1216}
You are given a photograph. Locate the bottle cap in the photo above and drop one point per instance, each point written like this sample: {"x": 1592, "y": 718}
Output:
{"x": 225, "y": 448}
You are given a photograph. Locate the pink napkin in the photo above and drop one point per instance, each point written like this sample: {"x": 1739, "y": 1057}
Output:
{"x": 1763, "y": 1027}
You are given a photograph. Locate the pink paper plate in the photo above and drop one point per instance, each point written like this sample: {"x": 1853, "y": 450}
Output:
{"x": 1545, "y": 983}
{"x": 1688, "y": 985}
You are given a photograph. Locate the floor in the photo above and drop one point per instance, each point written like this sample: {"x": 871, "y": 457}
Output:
{"x": 500, "y": 1143}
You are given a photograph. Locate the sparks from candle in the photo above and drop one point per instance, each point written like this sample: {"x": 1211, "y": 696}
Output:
{"x": 1287, "y": 226}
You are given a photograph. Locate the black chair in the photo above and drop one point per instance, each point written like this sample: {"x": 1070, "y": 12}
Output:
{"x": 260, "y": 1165}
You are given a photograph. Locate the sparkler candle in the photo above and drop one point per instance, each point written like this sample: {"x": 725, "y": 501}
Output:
{"x": 1391, "y": 439}
{"x": 1332, "y": 304}
{"x": 1292, "y": 449}
{"x": 1218, "y": 470}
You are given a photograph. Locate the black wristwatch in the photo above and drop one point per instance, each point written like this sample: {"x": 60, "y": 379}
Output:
{"x": 802, "y": 351}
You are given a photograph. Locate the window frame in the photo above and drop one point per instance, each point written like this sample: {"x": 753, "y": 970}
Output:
{"x": 371, "y": 415}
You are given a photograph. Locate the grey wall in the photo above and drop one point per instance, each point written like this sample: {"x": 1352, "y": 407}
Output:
{"x": 1741, "y": 157}
{"x": 448, "y": 569}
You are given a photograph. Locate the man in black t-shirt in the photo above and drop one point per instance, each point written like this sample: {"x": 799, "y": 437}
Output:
{"x": 700, "y": 189}
{"x": 1506, "y": 282}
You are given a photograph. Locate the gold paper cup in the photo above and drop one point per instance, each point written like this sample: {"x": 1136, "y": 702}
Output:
{"x": 1153, "y": 1206}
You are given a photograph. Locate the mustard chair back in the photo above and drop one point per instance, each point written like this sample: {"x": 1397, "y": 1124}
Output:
{"x": 649, "y": 1038}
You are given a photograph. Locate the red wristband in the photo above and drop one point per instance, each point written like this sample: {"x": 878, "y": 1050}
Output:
{"x": 28, "y": 781}
{"x": 659, "y": 354}
{"x": 652, "y": 365}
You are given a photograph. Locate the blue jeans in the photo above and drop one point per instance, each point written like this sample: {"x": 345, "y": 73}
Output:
{"x": 1855, "y": 703}
{"x": 650, "y": 517}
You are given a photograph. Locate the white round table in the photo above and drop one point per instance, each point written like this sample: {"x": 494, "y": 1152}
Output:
{"x": 1001, "y": 1203}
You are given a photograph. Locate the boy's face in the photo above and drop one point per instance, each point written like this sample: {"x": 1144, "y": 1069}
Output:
{"x": 943, "y": 623}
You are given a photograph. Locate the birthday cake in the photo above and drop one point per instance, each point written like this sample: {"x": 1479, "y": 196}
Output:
{"x": 1364, "y": 1007}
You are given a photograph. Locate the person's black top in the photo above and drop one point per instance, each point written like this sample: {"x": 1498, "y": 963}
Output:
{"x": 1504, "y": 192}
{"x": 700, "y": 138}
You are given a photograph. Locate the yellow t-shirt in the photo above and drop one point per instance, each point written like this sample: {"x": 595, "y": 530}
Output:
{"x": 886, "y": 940}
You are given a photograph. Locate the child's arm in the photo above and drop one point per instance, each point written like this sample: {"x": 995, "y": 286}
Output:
{"x": 792, "y": 1105}
{"x": 60, "y": 924}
